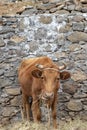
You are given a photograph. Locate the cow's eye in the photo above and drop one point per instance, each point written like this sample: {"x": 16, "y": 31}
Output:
{"x": 42, "y": 77}
{"x": 58, "y": 79}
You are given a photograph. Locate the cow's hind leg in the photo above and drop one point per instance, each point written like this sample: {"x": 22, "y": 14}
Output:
{"x": 30, "y": 102}
{"x": 28, "y": 111}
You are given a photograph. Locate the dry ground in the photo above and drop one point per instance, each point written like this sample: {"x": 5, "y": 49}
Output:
{"x": 72, "y": 125}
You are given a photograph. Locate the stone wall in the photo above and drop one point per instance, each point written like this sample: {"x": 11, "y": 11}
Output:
{"x": 63, "y": 37}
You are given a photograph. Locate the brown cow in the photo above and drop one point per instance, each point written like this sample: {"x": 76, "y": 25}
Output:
{"x": 40, "y": 79}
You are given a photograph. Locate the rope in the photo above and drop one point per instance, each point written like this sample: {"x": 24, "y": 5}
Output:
{"x": 34, "y": 102}
{"x": 51, "y": 69}
{"x": 49, "y": 115}
{"x": 22, "y": 112}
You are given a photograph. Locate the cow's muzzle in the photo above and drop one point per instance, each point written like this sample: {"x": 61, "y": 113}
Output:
{"x": 48, "y": 95}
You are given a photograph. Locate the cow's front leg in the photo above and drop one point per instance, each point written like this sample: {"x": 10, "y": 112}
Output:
{"x": 36, "y": 110}
{"x": 54, "y": 113}
{"x": 26, "y": 106}
{"x": 28, "y": 110}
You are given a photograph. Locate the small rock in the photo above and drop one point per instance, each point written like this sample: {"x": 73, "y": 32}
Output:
{"x": 84, "y": 102}
{"x": 84, "y": 88}
{"x": 1, "y": 72}
{"x": 62, "y": 115}
{"x": 74, "y": 105}
{"x": 82, "y": 43}
{"x": 4, "y": 83}
{"x": 48, "y": 48}
{"x": 62, "y": 12}
{"x": 2, "y": 43}
{"x": 83, "y": 115}
{"x": 10, "y": 20}
{"x": 84, "y": 9}
{"x": 16, "y": 101}
{"x": 10, "y": 74}
{"x": 64, "y": 97}
{"x": 33, "y": 46}
{"x": 22, "y": 25}
{"x": 78, "y": 18}
{"x": 85, "y": 107}
{"x": 45, "y": 1}
{"x": 57, "y": 8}
{"x": 1, "y": 21}
{"x": 41, "y": 33}
{"x": 71, "y": 114}
{"x": 4, "y": 95}
{"x": 47, "y": 6}
{"x": 29, "y": 12}
{"x": 53, "y": 10}
{"x": 9, "y": 60}
{"x": 6, "y": 30}
{"x": 79, "y": 76}
{"x": 17, "y": 39}
{"x": 69, "y": 88}
{"x": 60, "y": 19}
{"x": 65, "y": 29}
{"x": 71, "y": 7}
{"x": 80, "y": 95}
{"x": 81, "y": 57}
{"x": 8, "y": 111}
{"x": 5, "y": 121}
{"x": 74, "y": 47}
{"x": 59, "y": 54}
{"x": 45, "y": 19}
{"x": 78, "y": 8}
{"x": 84, "y": 1}
{"x": 77, "y": 36}
{"x": 78, "y": 26}
{"x": 4, "y": 99}
{"x": 12, "y": 91}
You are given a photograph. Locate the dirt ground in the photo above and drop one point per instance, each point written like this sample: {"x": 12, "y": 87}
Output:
{"x": 71, "y": 125}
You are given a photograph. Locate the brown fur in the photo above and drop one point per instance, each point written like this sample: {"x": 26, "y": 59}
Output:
{"x": 35, "y": 82}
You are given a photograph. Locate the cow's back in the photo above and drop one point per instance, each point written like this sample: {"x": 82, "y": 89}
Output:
{"x": 29, "y": 64}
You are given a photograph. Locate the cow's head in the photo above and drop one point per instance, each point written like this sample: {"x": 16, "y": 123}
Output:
{"x": 50, "y": 79}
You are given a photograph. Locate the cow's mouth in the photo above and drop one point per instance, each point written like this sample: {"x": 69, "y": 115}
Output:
{"x": 46, "y": 97}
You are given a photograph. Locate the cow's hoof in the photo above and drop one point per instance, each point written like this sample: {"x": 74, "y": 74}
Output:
{"x": 55, "y": 127}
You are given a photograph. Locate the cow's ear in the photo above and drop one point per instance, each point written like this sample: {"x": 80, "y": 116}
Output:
{"x": 37, "y": 73}
{"x": 65, "y": 75}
